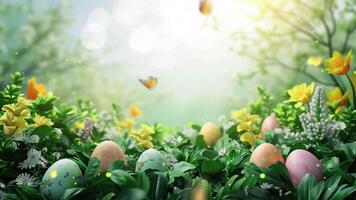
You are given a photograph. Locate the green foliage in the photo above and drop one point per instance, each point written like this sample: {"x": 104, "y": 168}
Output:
{"x": 264, "y": 104}
{"x": 223, "y": 171}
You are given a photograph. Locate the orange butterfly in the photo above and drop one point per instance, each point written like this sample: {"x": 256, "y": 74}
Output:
{"x": 205, "y": 7}
{"x": 149, "y": 83}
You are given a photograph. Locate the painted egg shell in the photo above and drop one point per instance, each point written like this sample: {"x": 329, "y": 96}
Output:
{"x": 265, "y": 155}
{"x": 62, "y": 175}
{"x": 108, "y": 152}
{"x": 269, "y": 124}
{"x": 301, "y": 162}
{"x": 211, "y": 133}
{"x": 151, "y": 159}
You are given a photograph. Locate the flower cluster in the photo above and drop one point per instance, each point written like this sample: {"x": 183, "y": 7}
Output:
{"x": 317, "y": 127}
{"x": 247, "y": 124}
{"x": 14, "y": 117}
{"x": 143, "y": 136}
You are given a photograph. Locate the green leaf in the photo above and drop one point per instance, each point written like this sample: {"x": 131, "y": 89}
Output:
{"x": 212, "y": 166}
{"x": 92, "y": 170}
{"x": 330, "y": 187}
{"x": 119, "y": 164}
{"x": 123, "y": 178}
{"x": 158, "y": 186}
{"x": 72, "y": 192}
{"x": 305, "y": 187}
{"x": 199, "y": 141}
{"x": 132, "y": 194}
{"x": 343, "y": 192}
{"x": 183, "y": 167}
{"x": 143, "y": 181}
{"x": 108, "y": 196}
{"x": 42, "y": 131}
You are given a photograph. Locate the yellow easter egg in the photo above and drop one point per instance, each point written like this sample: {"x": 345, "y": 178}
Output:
{"x": 210, "y": 133}
{"x": 108, "y": 152}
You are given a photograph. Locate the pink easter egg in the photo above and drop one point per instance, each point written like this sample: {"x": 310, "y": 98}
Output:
{"x": 266, "y": 154}
{"x": 301, "y": 162}
{"x": 269, "y": 124}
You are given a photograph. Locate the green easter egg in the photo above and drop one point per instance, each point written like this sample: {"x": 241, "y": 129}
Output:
{"x": 62, "y": 175}
{"x": 151, "y": 159}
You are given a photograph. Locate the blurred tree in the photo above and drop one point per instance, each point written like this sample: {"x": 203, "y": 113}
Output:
{"x": 288, "y": 33}
{"x": 34, "y": 39}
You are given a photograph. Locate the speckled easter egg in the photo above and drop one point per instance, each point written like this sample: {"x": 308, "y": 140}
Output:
{"x": 62, "y": 175}
{"x": 108, "y": 152}
{"x": 269, "y": 124}
{"x": 265, "y": 155}
{"x": 210, "y": 133}
{"x": 151, "y": 159}
{"x": 301, "y": 162}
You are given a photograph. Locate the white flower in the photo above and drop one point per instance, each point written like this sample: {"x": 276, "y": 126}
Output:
{"x": 226, "y": 123}
{"x": 57, "y": 155}
{"x": 190, "y": 132}
{"x": 266, "y": 186}
{"x": 34, "y": 158}
{"x": 27, "y": 138}
{"x": 25, "y": 179}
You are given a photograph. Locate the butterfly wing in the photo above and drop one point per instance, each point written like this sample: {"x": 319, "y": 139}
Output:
{"x": 150, "y": 83}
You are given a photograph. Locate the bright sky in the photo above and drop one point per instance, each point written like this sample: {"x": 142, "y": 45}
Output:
{"x": 171, "y": 40}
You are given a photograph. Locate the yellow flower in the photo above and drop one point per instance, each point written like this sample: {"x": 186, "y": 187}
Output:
{"x": 249, "y": 137}
{"x": 135, "y": 111}
{"x": 125, "y": 124}
{"x": 14, "y": 117}
{"x": 335, "y": 96}
{"x": 337, "y": 64}
{"x": 79, "y": 125}
{"x": 34, "y": 89}
{"x": 315, "y": 61}
{"x": 301, "y": 93}
{"x": 143, "y": 136}
{"x": 40, "y": 121}
{"x": 247, "y": 123}
{"x": 243, "y": 115}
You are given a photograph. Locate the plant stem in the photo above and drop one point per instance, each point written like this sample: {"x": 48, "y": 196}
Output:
{"x": 353, "y": 90}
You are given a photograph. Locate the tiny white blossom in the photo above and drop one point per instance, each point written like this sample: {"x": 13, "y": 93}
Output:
{"x": 25, "y": 179}
{"x": 34, "y": 158}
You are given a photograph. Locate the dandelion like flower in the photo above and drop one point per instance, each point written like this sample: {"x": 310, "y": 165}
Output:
{"x": 301, "y": 93}
{"x": 337, "y": 64}
{"x": 34, "y": 158}
{"x": 25, "y": 179}
{"x": 34, "y": 89}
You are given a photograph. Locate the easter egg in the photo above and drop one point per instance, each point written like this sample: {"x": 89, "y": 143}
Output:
{"x": 61, "y": 175}
{"x": 269, "y": 124}
{"x": 301, "y": 162}
{"x": 265, "y": 155}
{"x": 108, "y": 152}
{"x": 151, "y": 159}
{"x": 210, "y": 133}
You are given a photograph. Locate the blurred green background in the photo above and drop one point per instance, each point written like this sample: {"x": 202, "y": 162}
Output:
{"x": 206, "y": 65}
